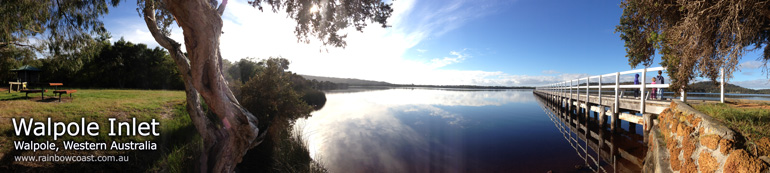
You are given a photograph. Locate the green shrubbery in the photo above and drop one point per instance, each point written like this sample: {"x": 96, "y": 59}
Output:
{"x": 100, "y": 65}
{"x": 271, "y": 95}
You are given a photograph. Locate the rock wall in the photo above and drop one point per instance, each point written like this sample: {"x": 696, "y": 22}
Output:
{"x": 694, "y": 142}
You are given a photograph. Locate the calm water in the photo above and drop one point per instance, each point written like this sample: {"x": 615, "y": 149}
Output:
{"x": 434, "y": 130}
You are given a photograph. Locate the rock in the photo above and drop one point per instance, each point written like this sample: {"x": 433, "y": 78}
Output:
{"x": 676, "y": 164}
{"x": 710, "y": 141}
{"x": 688, "y": 146}
{"x": 740, "y": 161}
{"x": 707, "y": 163}
{"x": 725, "y": 145}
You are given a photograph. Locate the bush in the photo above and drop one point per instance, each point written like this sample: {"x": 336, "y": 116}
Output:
{"x": 269, "y": 96}
{"x": 314, "y": 98}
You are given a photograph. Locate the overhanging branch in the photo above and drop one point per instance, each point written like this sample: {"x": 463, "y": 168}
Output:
{"x": 221, "y": 8}
{"x": 6, "y": 44}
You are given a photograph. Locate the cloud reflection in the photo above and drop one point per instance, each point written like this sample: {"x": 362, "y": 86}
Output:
{"x": 375, "y": 131}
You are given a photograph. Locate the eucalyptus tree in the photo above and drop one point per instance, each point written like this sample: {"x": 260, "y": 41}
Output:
{"x": 232, "y": 130}
{"x": 695, "y": 38}
{"x": 63, "y": 26}
{"x": 57, "y": 28}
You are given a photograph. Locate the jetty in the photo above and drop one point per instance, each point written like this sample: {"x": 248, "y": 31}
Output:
{"x": 606, "y": 96}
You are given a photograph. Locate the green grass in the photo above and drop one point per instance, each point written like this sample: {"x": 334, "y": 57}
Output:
{"x": 752, "y": 123}
{"x": 177, "y": 142}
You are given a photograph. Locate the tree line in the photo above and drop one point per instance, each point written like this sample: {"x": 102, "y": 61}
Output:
{"x": 121, "y": 64}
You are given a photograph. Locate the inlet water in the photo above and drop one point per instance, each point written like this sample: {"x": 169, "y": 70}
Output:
{"x": 441, "y": 130}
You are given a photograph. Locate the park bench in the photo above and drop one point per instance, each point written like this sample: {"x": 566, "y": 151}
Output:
{"x": 27, "y": 91}
{"x": 60, "y": 92}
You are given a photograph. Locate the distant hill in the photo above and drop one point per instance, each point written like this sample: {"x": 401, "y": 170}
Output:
{"x": 710, "y": 87}
{"x": 349, "y": 81}
{"x": 360, "y": 82}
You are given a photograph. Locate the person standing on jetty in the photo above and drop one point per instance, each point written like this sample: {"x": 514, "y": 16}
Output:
{"x": 660, "y": 81}
{"x": 653, "y": 92}
{"x": 636, "y": 82}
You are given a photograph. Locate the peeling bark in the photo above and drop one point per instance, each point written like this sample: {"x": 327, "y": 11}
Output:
{"x": 227, "y": 140}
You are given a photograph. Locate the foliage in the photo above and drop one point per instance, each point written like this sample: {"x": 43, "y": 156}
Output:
{"x": 309, "y": 90}
{"x": 243, "y": 70}
{"x": 101, "y": 65}
{"x": 13, "y": 57}
{"x": 277, "y": 98}
{"x": 63, "y": 26}
{"x": 694, "y": 38}
{"x": 129, "y": 65}
{"x": 270, "y": 97}
{"x": 322, "y": 19}
{"x": 286, "y": 151}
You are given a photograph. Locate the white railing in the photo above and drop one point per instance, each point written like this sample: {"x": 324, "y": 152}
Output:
{"x": 565, "y": 88}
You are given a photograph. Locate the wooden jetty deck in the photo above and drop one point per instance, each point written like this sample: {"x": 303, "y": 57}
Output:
{"x": 583, "y": 96}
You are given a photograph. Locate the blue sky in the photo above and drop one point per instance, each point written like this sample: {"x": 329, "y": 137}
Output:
{"x": 445, "y": 42}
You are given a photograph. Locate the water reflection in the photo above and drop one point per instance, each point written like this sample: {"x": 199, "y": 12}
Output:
{"x": 427, "y": 130}
{"x": 601, "y": 149}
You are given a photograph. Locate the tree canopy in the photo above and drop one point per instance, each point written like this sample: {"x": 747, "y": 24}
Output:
{"x": 695, "y": 38}
{"x": 64, "y": 26}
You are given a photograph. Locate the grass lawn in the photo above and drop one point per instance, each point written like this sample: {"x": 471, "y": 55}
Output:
{"x": 177, "y": 140}
{"x": 752, "y": 120}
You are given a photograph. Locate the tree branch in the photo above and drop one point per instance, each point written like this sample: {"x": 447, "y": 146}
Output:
{"x": 221, "y": 8}
{"x": 6, "y": 44}
{"x": 163, "y": 40}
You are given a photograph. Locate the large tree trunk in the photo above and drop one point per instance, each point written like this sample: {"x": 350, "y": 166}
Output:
{"x": 227, "y": 138}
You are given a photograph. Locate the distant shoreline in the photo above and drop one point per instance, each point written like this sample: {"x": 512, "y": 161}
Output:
{"x": 445, "y": 86}
{"x": 369, "y": 83}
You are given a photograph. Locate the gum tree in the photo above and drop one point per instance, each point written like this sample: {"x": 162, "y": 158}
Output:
{"x": 230, "y": 130}
{"x": 56, "y": 28}
{"x": 695, "y": 38}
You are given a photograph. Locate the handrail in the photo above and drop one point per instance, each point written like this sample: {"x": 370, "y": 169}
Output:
{"x": 562, "y": 87}
{"x": 565, "y": 87}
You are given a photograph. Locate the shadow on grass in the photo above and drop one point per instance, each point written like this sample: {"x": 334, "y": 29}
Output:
{"x": 36, "y": 99}
{"x": 16, "y": 98}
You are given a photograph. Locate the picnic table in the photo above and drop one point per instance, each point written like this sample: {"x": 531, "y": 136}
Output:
{"x": 21, "y": 85}
{"x": 60, "y": 92}
{"x": 27, "y": 91}
{"x": 56, "y": 91}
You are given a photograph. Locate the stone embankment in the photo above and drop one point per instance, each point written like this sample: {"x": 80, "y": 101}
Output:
{"x": 686, "y": 140}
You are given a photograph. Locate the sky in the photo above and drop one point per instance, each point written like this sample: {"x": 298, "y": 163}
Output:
{"x": 441, "y": 42}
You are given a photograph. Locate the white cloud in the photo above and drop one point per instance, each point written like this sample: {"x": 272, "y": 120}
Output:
{"x": 459, "y": 57}
{"x": 751, "y": 65}
{"x": 550, "y": 72}
{"x": 376, "y": 54}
